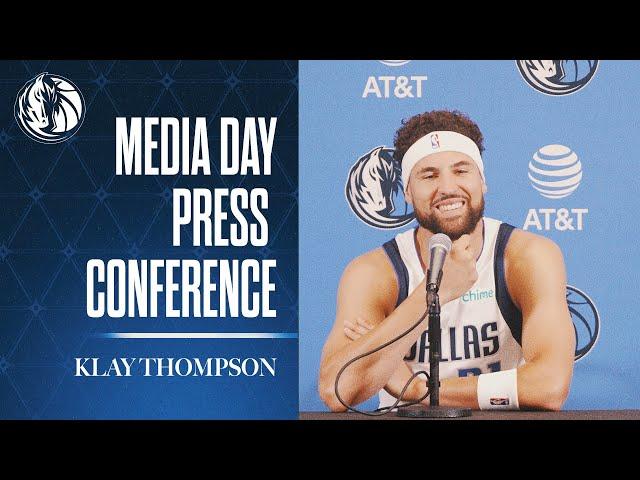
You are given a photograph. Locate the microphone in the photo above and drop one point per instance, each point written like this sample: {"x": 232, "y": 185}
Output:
{"x": 439, "y": 247}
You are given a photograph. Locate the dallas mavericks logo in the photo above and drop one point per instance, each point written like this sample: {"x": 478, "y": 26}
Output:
{"x": 49, "y": 108}
{"x": 557, "y": 77}
{"x": 374, "y": 187}
{"x": 555, "y": 171}
{"x": 586, "y": 320}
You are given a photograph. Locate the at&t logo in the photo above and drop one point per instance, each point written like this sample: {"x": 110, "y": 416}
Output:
{"x": 555, "y": 171}
{"x": 401, "y": 86}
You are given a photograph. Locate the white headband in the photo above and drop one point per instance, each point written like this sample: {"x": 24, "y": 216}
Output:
{"x": 434, "y": 142}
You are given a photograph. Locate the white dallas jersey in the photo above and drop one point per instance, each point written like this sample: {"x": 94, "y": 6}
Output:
{"x": 482, "y": 329}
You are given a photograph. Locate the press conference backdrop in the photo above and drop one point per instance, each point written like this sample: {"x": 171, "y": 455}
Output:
{"x": 561, "y": 160}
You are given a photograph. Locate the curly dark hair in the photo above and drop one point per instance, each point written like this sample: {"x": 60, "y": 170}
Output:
{"x": 419, "y": 125}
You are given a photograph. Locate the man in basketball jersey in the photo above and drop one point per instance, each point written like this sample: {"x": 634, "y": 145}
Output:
{"x": 507, "y": 336}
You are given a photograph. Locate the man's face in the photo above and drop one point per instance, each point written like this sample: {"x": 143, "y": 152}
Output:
{"x": 447, "y": 193}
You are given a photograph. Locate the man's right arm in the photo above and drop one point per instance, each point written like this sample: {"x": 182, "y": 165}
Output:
{"x": 415, "y": 390}
{"x": 365, "y": 292}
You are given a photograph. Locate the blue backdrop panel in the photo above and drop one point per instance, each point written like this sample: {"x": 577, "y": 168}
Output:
{"x": 62, "y": 205}
{"x": 555, "y": 109}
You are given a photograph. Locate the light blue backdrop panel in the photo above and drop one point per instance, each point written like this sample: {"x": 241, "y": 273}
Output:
{"x": 599, "y": 122}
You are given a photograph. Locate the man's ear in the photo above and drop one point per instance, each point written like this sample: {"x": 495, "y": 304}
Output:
{"x": 407, "y": 196}
{"x": 484, "y": 188}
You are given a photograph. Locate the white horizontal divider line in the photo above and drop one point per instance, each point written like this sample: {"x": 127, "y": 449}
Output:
{"x": 170, "y": 335}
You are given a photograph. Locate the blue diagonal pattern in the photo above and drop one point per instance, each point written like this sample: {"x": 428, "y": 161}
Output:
{"x": 46, "y": 325}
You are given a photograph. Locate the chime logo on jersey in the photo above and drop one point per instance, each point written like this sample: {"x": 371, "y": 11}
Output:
{"x": 557, "y": 77}
{"x": 49, "y": 108}
{"x": 586, "y": 320}
{"x": 374, "y": 190}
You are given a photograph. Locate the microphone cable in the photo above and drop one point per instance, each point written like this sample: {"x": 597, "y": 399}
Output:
{"x": 385, "y": 410}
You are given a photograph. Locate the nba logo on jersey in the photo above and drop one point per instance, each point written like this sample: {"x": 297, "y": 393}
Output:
{"x": 435, "y": 141}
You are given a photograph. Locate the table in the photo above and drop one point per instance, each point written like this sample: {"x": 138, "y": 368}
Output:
{"x": 485, "y": 415}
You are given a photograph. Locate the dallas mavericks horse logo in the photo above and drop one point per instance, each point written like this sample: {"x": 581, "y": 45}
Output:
{"x": 557, "y": 77}
{"x": 374, "y": 186}
{"x": 586, "y": 320}
{"x": 49, "y": 108}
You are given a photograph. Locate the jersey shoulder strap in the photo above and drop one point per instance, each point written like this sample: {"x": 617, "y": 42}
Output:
{"x": 402, "y": 275}
{"x": 509, "y": 311}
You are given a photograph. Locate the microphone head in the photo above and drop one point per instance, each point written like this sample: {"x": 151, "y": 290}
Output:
{"x": 440, "y": 240}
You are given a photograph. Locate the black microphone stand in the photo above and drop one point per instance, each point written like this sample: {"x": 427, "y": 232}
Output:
{"x": 434, "y": 410}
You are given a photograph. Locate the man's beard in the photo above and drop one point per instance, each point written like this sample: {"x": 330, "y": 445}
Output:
{"x": 454, "y": 228}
